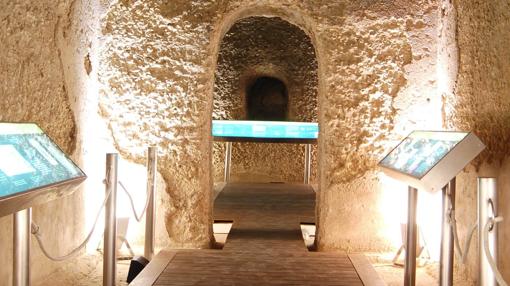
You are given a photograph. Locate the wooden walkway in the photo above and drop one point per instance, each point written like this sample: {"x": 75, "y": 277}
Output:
{"x": 264, "y": 247}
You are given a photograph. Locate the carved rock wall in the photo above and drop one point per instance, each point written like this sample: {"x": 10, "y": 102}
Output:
{"x": 376, "y": 75}
{"x": 479, "y": 101}
{"x": 34, "y": 89}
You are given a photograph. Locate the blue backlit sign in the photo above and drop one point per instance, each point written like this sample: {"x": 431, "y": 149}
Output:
{"x": 30, "y": 160}
{"x": 265, "y": 129}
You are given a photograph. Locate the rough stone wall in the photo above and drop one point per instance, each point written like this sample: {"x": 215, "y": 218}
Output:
{"x": 381, "y": 84}
{"x": 252, "y": 48}
{"x": 264, "y": 162}
{"x": 480, "y": 102}
{"x": 33, "y": 86}
{"x": 152, "y": 67}
{"x": 376, "y": 73}
{"x": 34, "y": 89}
{"x": 49, "y": 58}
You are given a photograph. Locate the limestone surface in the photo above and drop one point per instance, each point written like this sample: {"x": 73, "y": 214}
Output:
{"x": 481, "y": 103}
{"x": 33, "y": 89}
{"x": 158, "y": 69}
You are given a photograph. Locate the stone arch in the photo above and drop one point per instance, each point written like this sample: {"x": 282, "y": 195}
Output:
{"x": 299, "y": 19}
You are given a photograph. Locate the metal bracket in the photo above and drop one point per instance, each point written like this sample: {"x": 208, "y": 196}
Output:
{"x": 493, "y": 216}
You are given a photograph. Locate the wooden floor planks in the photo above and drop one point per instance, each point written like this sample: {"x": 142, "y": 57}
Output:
{"x": 264, "y": 246}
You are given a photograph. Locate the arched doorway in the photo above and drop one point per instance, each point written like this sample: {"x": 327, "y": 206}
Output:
{"x": 267, "y": 70}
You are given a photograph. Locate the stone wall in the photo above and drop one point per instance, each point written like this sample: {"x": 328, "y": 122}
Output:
{"x": 34, "y": 89}
{"x": 152, "y": 68}
{"x": 480, "y": 102}
{"x": 252, "y": 48}
{"x": 49, "y": 56}
{"x": 376, "y": 82}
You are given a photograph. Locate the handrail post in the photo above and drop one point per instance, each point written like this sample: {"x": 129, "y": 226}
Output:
{"x": 411, "y": 238}
{"x": 447, "y": 243}
{"x": 110, "y": 233}
{"x": 150, "y": 221}
{"x": 228, "y": 161}
{"x": 308, "y": 163}
{"x": 21, "y": 255}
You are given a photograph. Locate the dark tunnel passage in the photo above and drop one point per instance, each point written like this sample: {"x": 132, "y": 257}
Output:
{"x": 267, "y": 99}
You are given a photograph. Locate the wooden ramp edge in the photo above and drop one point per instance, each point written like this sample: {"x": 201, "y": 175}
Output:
{"x": 153, "y": 270}
{"x": 365, "y": 270}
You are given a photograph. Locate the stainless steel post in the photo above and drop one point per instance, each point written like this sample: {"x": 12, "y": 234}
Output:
{"x": 446, "y": 259}
{"x": 487, "y": 208}
{"x": 21, "y": 258}
{"x": 308, "y": 163}
{"x": 150, "y": 218}
{"x": 228, "y": 160}
{"x": 411, "y": 238}
{"x": 110, "y": 233}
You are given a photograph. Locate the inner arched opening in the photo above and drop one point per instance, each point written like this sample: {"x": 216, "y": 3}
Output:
{"x": 267, "y": 99}
{"x": 266, "y": 71}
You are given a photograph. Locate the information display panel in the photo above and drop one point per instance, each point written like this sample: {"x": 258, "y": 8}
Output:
{"x": 419, "y": 152}
{"x": 265, "y": 131}
{"x": 429, "y": 159}
{"x": 30, "y": 161}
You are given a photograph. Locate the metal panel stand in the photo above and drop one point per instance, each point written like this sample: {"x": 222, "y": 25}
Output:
{"x": 150, "y": 218}
{"x": 110, "y": 233}
{"x": 487, "y": 208}
{"x": 411, "y": 238}
{"x": 228, "y": 160}
{"x": 308, "y": 163}
{"x": 21, "y": 258}
{"x": 447, "y": 243}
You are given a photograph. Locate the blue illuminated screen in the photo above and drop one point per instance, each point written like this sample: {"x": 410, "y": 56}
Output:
{"x": 265, "y": 129}
{"x": 29, "y": 159}
{"x": 419, "y": 152}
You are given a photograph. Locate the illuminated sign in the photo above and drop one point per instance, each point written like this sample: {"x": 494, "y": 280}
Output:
{"x": 429, "y": 159}
{"x": 265, "y": 129}
{"x": 30, "y": 160}
{"x": 420, "y": 151}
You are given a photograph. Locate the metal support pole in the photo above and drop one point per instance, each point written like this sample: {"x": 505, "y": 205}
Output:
{"x": 150, "y": 218}
{"x": 487, "y": 208}
{"x": 411, "y": 238}
{"x": 308, "y": 163}
{"x": 110, "y": 233}
{"x": 21, "y": 258}
{"x": 447, "y": 243}
{"x": 228, "y": 160}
